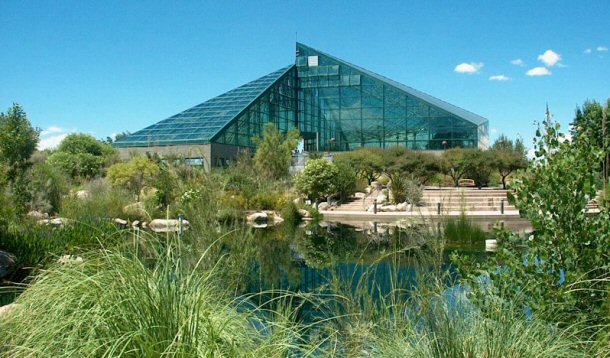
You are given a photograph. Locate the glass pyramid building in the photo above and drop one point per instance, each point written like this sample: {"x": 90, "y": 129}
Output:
{"x": 337, "y": 106}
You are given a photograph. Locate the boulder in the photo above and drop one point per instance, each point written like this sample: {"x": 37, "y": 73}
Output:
{"x": 298, "y": 201}
{"x": 120, "y": 222}
{"x": 59, "y": 221}
{"x": 257, "y": 217}
{"x": 388, "y": 208}
{"x": 135, "y": 209}
{"x": 168, "y": 225}
{"x": 401, "y": 207}
{"x": 38, "y": 215}
{"x": 491, "y": 245}
{"x": 304, "y": 214}
{"x": 359, "y": 195}
{"x": 5, "y": 310}
{"x": 69, "y": 259}
{"x": 7, "y": 264}
{"x": 323, "y": 206}
{"x": 277, "y": 219}
{"x": 135, "y": 224}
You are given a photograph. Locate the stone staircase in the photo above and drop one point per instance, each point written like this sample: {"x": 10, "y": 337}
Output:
{"x": 467, "y": 199}
{"x": 359, "y": 204}
{"x": 451, "y": 199}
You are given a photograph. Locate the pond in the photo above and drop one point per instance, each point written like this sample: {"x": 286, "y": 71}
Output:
{"x": 309, "y": 257}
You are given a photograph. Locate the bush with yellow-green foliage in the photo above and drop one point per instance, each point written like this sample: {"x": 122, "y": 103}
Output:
{"x": 133, "y": 175}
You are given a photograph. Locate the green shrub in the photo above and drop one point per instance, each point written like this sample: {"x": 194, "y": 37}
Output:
{"x": 265, "y": 201}
{"x": 82, "y": 156}
{"x": 133, "y": 175}
{"x": 317, "y": 180}
{"x": 49, "y": 186}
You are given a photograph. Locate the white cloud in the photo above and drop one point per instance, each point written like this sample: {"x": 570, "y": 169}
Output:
{"x": 588, "y": 51}
{"x": 51, "y": 130}
{"x": 518, "y": 62}
{"x": 51, "y": 142}
{"x": 550, "y": 58}
{"x": 469, "y": 68}
{"x": 602, "y": 49}
{"x": 494, "y": 130}
{"x": 499, "y": 78}
{"x": 52, "y": 137}
{"x": 538, "y": 71}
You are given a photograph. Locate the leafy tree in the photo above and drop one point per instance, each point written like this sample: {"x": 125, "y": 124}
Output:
{"x": 456, "y": 162}
{"x": 563, "y": 273}
{"x": 274, "y": 151}
{"x": 481, "y": 165}
{"x": 508, "y": 157}
{"x": 76, "y": 143}
{"x": 345, "y": 181}
{"x": 589, "y": 122}
{"x": 419, "y": 166}
{"x": 133, "y": 175}
{"x": 18, "y": 141}
{"x": 118, "y": 136}
{"x": 22, "y": 193}
{"x": 366, "y": 162}
{"x": 82, "y": 156}
{"x": 390, "y": 157}
{"x": 317, "y": 180}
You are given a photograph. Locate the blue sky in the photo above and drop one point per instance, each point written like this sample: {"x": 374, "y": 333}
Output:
{"x": 105, "y": 67}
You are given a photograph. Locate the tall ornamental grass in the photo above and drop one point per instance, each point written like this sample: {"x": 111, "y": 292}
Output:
{"x": 116, "y": 305}
{"x": 422, "y": 317}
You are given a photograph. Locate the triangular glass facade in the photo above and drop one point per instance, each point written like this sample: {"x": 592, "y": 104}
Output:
{"x": 337, "y": 106}
{"x": 368, "y": 110}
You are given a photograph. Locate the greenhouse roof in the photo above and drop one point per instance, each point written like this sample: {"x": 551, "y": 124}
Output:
{"x": 460, "y": 112}
{"x": 199, "y": 124}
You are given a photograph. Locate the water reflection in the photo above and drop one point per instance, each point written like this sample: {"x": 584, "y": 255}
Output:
{"x": 304, "y": 259}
